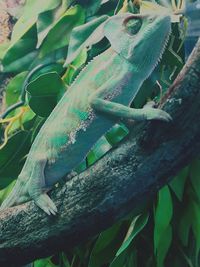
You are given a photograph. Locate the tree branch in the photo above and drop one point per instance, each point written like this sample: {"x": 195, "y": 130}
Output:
{"x": 117, "y": 184}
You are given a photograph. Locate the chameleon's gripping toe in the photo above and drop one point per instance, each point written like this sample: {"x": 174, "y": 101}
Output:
{"x": 46, "y": 204}
{"x": 156, "y": 114}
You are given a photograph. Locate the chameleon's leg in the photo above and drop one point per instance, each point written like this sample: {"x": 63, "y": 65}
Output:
{"x": 119, "y": 110}
{"x": 36, "y": 191}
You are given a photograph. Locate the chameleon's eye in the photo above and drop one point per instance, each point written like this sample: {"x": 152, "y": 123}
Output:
{"x": 133, "y": 26}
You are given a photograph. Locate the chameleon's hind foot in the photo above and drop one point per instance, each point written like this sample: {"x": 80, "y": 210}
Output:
{"x": 46, "y": 204}
{"x": 156, "y": 114}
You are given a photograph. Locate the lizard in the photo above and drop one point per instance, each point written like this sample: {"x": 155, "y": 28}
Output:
{"x": 97, "y": 99}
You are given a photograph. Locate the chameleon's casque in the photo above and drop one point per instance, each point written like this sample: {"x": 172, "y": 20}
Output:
{"x": 97, "y": 99}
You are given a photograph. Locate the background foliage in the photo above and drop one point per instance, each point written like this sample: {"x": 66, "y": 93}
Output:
{"x": 167, "y": 231}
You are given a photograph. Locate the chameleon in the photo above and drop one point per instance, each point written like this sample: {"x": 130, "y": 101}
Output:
{"x": 99, "y": 97}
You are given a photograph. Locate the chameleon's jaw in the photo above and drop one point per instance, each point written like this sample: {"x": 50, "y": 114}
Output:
{"x": 165, "y": 42}
{"x": 150, "y": 44}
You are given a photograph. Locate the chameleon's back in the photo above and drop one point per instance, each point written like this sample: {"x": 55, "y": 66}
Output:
{"x": 74, "y": 127}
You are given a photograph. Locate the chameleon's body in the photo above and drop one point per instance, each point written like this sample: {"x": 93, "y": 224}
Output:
{"x": 96, "y": 100}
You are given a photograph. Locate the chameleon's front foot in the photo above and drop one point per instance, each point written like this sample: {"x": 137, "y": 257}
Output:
{"x": 156, "y": 114}
{"x": 46, "y": 204}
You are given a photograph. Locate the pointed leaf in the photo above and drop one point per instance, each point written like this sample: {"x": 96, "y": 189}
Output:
{"x": 178, "y": 183}
{"x": 136, "y": 226}
{"x": 29, "y": 17}
{"x": 18, "y": 53}
{"x": 185, "y": 225}
{"x": 195, "y": 177}
{"x": 164, "y": 244}
{"x": 128, "y": 258}
{"x": 106, "y": 246}
{"x": 59, "y": 34}
{"x": 85, "y": 35}
{"x": 163, "y": 215}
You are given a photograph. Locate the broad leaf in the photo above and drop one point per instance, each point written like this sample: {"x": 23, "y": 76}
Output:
{"x": 11, "y": 157}
{"x": 14, "y": 88}
{"x": 44, "y": 93}
{"x": 3, "y": 48}
{"x": 30, "y": 14}
{"x": 59, "y": 34}
{"x": 85, "y": 35}
{"x": 20, "y": 54}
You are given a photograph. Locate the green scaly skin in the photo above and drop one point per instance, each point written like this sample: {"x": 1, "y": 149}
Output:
{"x": 98, "y": 98}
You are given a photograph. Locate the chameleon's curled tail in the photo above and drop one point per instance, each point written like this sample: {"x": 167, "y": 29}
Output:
{"x": 15, "y": 196}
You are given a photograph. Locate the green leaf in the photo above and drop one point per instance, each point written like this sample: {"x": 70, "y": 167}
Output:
{"x": 20, "y": 53}
{"x": 27, "y": 117}
{"x": 44, "y": 93}
{"x": 116, "y": 134}
{"x": 65, "y": 262}
{"x": 178, "y": 183}
{"x": 136, "y": 226}
{"x": 81, "y": 167}
{"x": 101, "y": 147}
{"x": 44, "y": 263}
{"x": 85, "y": 35}
{"x": 185, "y": 224}
{"x": 91, "y": 6}
{"x": 14, "y": 88}
{"x": 106, "y": 245}
{"x": 44, "y": 24}
{"x": 11, "y": 157}
{"x": 163, "y": 215}
{"x": 74, "y": 67}
{"x": 39, "y": 121}
{"x": 128, "y": 258}
{"x": 164, "y": 244}
{"x": 28, "y": 19}
{"x": 6, "y": 191}
{"x": 196, "y": 223}
{"x": 59, "y": 34}
{"x": 3, "y": 48}
{"x": 195, "y": 177}
{"x": 21, "y": 64}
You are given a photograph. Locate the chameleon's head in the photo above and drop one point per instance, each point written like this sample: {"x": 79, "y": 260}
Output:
{"x": 141, "y": 39}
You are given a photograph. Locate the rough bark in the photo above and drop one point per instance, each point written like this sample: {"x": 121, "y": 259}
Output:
{"x": 117, "y": 184}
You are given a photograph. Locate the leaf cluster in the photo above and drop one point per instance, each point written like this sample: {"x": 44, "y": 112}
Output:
{"x": 64, "y": 36}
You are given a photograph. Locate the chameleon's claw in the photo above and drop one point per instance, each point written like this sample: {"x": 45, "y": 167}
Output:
{"x": 46, "y": 204}
{"x": 157, "y": 114}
